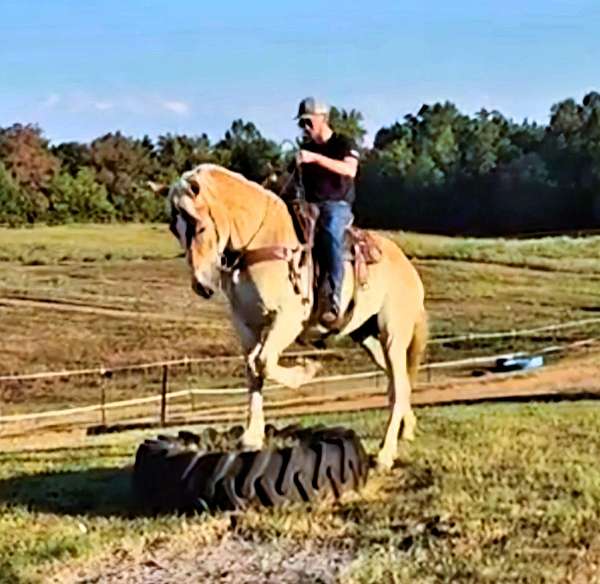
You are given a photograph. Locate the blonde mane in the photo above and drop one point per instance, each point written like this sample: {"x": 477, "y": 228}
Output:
{"x": 205, "y": 171}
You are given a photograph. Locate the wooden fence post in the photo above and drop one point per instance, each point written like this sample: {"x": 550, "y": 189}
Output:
{"x": 427, "y": 363}
{"x": 163, "y": 397}
{"x": 106, "y": 375}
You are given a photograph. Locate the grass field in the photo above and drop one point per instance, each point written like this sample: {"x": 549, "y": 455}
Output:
{"x": 487, "y": 493}
{"x": 92, "y": 243}
{"x": 493, "y": 493}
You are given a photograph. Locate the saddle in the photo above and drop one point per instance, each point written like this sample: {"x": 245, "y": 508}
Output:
{"x": 361, "y": 247}
{"x": 361, "y": 250}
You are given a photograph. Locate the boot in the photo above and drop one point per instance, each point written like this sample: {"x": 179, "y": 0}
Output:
{"x": 330, "y": 315}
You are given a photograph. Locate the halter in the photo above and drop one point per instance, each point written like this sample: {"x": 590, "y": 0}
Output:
{"x": 231, "y": 262}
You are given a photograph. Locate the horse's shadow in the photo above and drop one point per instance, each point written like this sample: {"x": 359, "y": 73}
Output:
{"x": 104, "y": 492}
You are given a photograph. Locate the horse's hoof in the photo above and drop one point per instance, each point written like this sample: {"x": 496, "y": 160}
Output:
{"x": 249, "y": 442}
{"x": 383, "y": 463}
{"x": 313, "y": 367}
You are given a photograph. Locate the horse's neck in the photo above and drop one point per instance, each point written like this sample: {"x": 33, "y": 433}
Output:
{"x": 274, "y": 227}
{"x": 257, "y": 218}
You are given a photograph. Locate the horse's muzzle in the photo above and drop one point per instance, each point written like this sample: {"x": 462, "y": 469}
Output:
{"x": 201, "y": 290}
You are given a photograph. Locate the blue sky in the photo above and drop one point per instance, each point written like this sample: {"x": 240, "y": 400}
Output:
{"x": 81, "y": 68}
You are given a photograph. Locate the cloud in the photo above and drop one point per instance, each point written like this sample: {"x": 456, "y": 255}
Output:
{"x": 178, "y": 107}
{"x": 52, "y": 100}
{"x": 137, "y": 104}
{"x": 103, "y": 105}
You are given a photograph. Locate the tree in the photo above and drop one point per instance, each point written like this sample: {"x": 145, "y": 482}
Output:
{"x": 396, "y": 158}
{"x": 123, "y": 165}
{"x": 571, "y": 146}
{"x": 14, "y": 205}
{"x": 435, "y": 133}
{"x": 486, "y": 143}
{"x": 387, "y": 136}
{"x": 348, "y": 123}
{"x": 79, "y": 199}
{"x": 73, "y": 156}
{"x": 177, "y": 153}
{"x": 245, "y": 150}
{"x": 25, "y": 155}
{"x": 567, "y": 117}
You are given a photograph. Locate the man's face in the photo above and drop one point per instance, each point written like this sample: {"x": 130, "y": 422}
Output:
{"x": 312, "y": 125}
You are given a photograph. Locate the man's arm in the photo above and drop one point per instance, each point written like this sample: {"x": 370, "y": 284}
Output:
{"x": 346, "y": 167}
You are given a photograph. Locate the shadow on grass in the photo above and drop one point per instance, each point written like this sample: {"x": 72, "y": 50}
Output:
{"x": 105, "y": 492}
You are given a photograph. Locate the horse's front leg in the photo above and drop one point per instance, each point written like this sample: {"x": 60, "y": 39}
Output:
{"x": 262, "y": 362}
{"x": 253, "y": 437}
{"x": 254, "y": 434}
{"x": 284, "y": 329}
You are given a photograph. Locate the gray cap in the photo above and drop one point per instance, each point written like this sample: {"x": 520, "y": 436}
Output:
{"x": 310, "y": 106}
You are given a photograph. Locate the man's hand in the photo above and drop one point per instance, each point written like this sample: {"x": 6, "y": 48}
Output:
{"x": 306, "y": 157}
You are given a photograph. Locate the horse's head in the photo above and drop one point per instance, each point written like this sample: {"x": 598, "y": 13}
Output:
{"x": 202, "y": 231}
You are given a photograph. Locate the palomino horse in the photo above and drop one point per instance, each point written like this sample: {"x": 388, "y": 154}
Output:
{"x": 218, "y": 215}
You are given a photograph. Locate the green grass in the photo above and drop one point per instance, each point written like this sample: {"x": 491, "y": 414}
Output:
{"x": 92, "y": 243}
{"x": 549, "y": 253}
{"x": 487, "y": 493}
{"x": 86, "y": 243}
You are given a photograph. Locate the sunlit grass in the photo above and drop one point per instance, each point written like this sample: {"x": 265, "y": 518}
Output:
{"x": 486, "y": 493}
{"x": 90, "y": 243}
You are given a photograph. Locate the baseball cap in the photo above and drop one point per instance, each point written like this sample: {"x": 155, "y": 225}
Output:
{"x": 310, "y": 106}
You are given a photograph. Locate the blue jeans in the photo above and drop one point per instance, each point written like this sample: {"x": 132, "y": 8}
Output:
{"x": 334, "y": 218}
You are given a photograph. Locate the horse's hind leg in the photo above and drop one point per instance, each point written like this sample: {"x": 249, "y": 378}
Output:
{"x": 399, "y": 390}
{"x": 373, "y": 347}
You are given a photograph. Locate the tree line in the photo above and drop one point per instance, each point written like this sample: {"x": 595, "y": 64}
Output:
{"x": 438, "y": 170}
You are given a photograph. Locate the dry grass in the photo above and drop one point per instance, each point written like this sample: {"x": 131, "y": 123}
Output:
{"x": 71, "y": 313}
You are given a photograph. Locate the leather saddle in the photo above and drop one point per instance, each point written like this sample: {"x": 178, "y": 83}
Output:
{"x": 361, "y": 247}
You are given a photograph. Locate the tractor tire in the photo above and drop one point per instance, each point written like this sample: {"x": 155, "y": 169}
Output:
{"x": 183, "y": 473}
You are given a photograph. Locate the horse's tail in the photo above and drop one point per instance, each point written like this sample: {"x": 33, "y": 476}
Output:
{"x": 417, "y": 347}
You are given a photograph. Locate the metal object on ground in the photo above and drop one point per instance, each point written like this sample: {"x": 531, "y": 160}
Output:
{"x": 518, "y": 363}
{"x": 185, "y": 473}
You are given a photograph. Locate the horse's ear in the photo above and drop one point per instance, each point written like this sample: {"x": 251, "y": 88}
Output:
{"x": 158, "y": 189}
{"x": 194, "y": 185}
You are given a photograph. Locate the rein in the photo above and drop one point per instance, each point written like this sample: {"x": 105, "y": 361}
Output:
{"x": 245, "y": 257}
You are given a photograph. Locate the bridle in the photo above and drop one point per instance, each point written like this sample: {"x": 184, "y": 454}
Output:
{"x": 229, "y": 262}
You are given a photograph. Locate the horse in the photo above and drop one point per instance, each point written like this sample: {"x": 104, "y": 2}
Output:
{"x": 240, "y": 237}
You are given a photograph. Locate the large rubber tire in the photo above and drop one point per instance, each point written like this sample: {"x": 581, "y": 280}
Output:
{"x": 181, "y": 473}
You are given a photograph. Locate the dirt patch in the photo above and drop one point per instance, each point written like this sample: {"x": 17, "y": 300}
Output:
{"x": 586, "y": 568}
{"x": 230, "y": 561}
{"x": 62, "y": 305}
{"x": 574, "y": 377}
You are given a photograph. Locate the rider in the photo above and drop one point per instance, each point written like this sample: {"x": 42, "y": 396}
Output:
{"x": 328, "y": 164}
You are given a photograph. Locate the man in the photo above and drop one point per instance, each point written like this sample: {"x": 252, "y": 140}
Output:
{"x": 328, "y": 163}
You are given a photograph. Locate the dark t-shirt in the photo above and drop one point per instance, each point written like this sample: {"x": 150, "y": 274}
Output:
{"x": 321, "y": 184}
